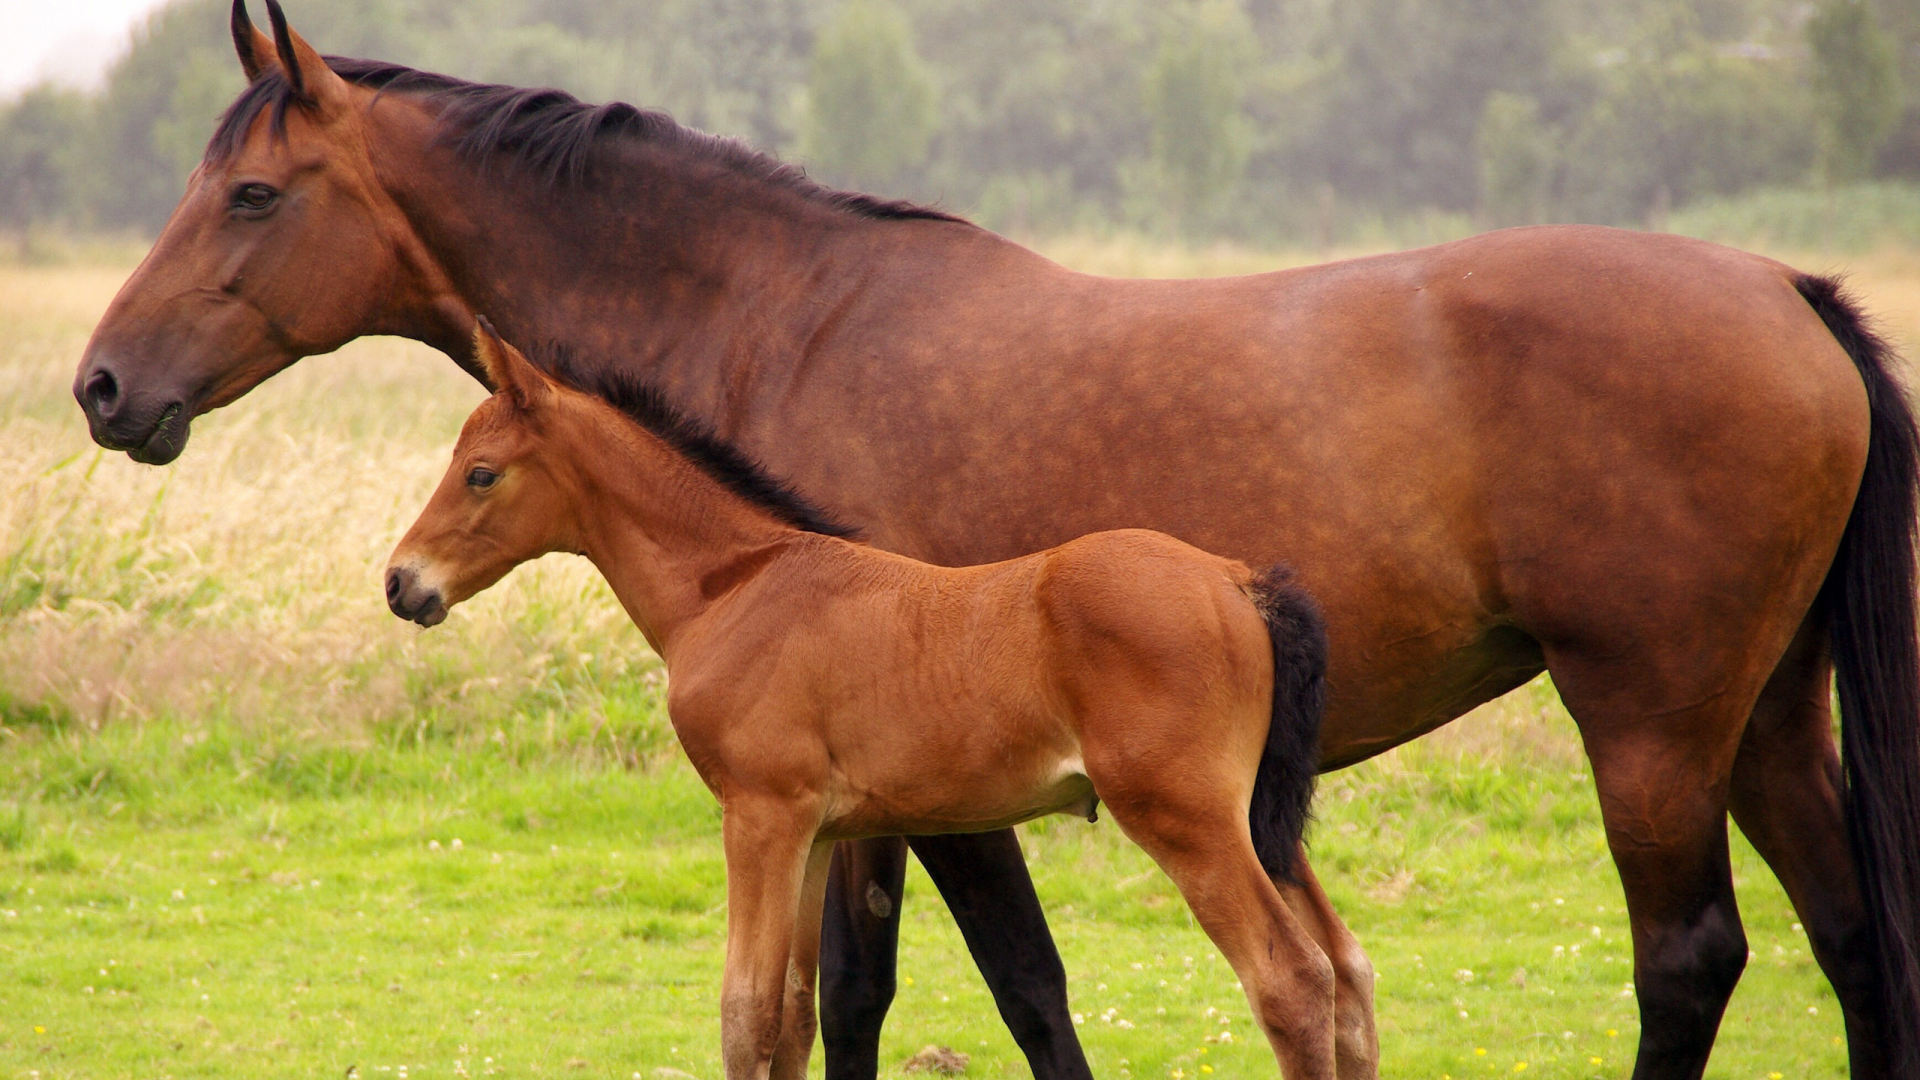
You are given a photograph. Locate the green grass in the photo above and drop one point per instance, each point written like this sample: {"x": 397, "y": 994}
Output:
{"x": 189, "y": 900}
{"x": 1852, "y": 218}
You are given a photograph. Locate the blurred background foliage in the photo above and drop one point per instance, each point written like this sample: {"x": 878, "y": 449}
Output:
{"x": 1269, "y": 121}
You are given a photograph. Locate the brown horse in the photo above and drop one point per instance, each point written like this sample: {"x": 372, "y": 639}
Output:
{"x": 1679, "y": 477}
{"x": 815, "y": 682}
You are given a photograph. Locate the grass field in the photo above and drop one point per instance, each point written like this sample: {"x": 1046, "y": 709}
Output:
{"x": 252, "y": 825}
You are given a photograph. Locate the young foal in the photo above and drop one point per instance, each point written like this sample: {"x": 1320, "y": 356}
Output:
{"x": 827, "y": 690}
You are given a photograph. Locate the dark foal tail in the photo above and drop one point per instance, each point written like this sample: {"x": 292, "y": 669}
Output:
{"x": 1283, "y": 785}
{"x": 1868, "y": 600}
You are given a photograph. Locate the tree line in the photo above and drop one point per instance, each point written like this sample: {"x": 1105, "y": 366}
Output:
{"x": 1259, "y": 119}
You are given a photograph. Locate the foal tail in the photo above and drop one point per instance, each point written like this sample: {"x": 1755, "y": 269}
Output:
{"x": 1868, "y": 601}
{"x": 1283, "y": 785}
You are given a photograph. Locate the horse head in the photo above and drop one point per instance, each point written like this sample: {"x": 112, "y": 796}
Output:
{"x": 285, "y": 245}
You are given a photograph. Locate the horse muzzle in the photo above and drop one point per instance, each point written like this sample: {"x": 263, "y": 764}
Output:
{"x": 151, "y": 428}
{"x": 410, "y": 600}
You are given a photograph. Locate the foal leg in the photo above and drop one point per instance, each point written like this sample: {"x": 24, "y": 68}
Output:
{"x": 859, "y": 944}
{"x": 1355, "y": 1043}
{"x": 1662, "y": 773}
{"x": 797, "y": 1017}
{"x": 983, "y": 878}
{"x": 1786, "y": 797}
{"x": 1204, "y": 847}
{"x": 767, "y": 849}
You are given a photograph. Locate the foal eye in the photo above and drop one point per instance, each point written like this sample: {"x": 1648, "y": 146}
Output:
{"x": 481, "y": 477}
{"x": 254, "y": 197}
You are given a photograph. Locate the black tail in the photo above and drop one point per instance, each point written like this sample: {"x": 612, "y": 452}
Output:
{"x": 1868, "y": 600}
{"x": 1283, "y": 786}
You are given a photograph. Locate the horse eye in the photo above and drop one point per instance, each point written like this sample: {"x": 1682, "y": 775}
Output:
{"x": 481, "y": 478}
{"x": 254, "y": 197}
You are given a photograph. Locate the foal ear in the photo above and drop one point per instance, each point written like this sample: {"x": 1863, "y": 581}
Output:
{"x": 510, "y": 372}
{"x": 312, "y": 80}
{"x": 255, "y": 48}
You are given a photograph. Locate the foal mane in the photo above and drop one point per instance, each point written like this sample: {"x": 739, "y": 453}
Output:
{"x": 694, "y": 440}
{"x": 549, "y": 132}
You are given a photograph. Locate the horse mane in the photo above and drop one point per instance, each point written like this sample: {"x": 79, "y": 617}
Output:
{"x": 692, "y": 439}
{"x": 549, "y": 132}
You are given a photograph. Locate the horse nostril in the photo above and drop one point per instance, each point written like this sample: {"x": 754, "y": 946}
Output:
{"x": 394, "y": 587}
{"x": 103, "y": 392}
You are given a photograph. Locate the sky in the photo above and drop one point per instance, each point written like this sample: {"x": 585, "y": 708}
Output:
{"x": 67, "y": 41}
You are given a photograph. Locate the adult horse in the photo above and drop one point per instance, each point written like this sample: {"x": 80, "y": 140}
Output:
{"x": 1678, "y": 477}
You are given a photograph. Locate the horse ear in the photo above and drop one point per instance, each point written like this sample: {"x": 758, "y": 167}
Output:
{"x": 510, "y": 372}
{"x": 255, "y": 48}
{"x": 312, "y": 80}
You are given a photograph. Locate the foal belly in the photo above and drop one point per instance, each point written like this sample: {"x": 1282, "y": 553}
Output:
{"x": 937, "y": 797}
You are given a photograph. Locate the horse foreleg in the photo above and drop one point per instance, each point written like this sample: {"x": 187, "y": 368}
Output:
{"x": 1355, "y": 1042}
{"x": 983, "y": 878}
{"x": 797, "y": 1017}
{"x": 859, "y": 942}
{"x": 767, "y": 849}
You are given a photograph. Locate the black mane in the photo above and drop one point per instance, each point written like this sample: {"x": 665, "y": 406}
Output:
{"x": 694, "y": 440}
{"x": 550, "y": 132}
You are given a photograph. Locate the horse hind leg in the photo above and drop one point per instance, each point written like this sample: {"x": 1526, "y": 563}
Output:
{"x": 1662, "y": 772}
{"x": 1786, "y": 798}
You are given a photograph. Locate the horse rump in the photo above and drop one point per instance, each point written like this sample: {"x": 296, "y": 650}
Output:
{"x": 1283, "y": 785}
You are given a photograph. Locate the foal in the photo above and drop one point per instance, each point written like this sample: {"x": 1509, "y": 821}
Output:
{"x": 826, "y": 690}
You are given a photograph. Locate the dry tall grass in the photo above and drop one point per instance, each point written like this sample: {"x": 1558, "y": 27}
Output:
{"x": 242, "y": 582}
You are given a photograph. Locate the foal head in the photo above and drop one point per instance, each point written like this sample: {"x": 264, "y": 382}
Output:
{"x": 507, "y": 497}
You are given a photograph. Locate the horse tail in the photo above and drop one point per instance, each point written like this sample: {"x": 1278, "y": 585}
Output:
{"x": 1868, "y": 602}
{"x": 1283, "y": 785}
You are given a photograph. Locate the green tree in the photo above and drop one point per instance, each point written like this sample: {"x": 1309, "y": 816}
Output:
{"x": 870, "y": 100}
{"x": 1670, "y": 117}
{"x": 159, "y": 107}
{"x": 1195, "y": 90}
{"x": 1040, "y": 106}
{"x": 39, "y": 166}
{"x": 1516, "y": 160}
{"x": 1401, "y": 87}
{"x": 202, "y": 88}
{"x": 1856, "y": 81}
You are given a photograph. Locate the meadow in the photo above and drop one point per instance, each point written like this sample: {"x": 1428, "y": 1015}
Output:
{"x": 252, "y": 825}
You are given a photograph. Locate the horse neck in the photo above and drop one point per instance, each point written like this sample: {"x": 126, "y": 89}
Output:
{"x": 700, "y": 278}
{"x": 669, "y": 539}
